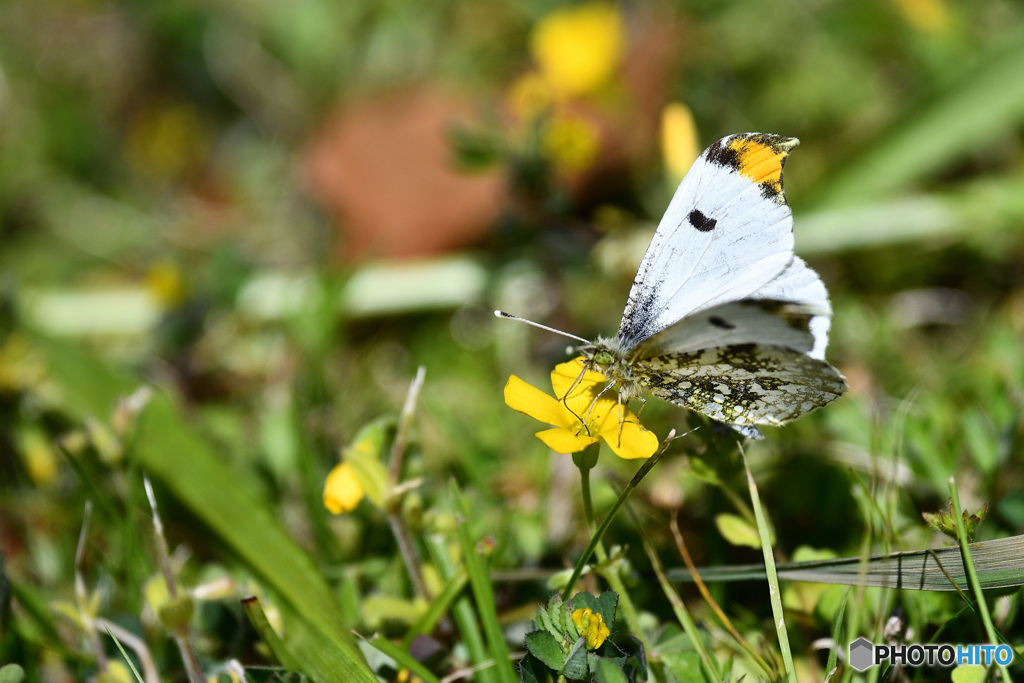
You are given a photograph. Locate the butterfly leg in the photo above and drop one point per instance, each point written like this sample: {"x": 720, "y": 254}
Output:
{"x": 593, "y": 403}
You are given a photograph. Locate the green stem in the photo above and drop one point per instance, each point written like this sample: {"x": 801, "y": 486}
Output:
{"x": 972, "y": 574}
{"x": 595, "y": 539}
{"x": 610, "y": 572}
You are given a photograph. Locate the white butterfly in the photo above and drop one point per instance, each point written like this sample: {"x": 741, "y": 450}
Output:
{"x": 722, "y": 317}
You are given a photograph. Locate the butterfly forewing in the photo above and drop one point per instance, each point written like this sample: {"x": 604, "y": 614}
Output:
{"x": 750, "y": 321}
{"x": 726, "y": 233}
{"x": 799, "y": 283}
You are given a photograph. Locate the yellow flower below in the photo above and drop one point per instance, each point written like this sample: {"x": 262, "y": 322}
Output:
{"x": 342, "y": 490}
{"x": 591, "y": 626}
{"x": 581, "y": 414}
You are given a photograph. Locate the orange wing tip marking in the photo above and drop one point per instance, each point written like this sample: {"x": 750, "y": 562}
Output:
{"x": 761, "y": 159}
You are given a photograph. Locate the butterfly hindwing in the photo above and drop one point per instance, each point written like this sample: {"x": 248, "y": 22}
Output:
{"x": 744, "y": 384}
{"x": 727, "y": 233}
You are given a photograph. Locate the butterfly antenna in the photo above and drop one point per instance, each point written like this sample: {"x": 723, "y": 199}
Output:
{"x": 509, "y": 316}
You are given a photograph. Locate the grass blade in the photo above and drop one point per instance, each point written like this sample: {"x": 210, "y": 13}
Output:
{"x": 934, "y": 136}
{"x": 482, "y": 592}
{"x": 773, "y": 579}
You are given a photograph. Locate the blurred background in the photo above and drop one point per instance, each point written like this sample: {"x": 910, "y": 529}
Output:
{"x": 275, "y": 212}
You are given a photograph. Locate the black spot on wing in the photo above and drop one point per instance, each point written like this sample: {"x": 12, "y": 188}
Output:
{"x": 701, "y": 222}
{"x": 720, "y": 323}
{"x": 723, "y": 155}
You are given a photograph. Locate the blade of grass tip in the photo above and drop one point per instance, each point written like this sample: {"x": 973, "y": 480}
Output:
{"x": 710, "y": 600}
{"x": 138, "y": 646}
{"x": 773, "y": 579}
{"x": 678, "y": 606}
{"x": 972, "y": 575}
{"x": 437, "y": 608}
{"x": 462, "y": 609}
{"x": 482, "y": 592}
{"x": 124, "y": 655}
{"x": 404, "y": 659}
{"x": 258, "y": 618}
{"x": 837, "y": 626}
{"x": 607, "y": 522}
{"x": 304, "y": 649}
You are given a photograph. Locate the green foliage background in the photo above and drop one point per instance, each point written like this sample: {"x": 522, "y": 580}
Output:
{"x": 908, "y": 195}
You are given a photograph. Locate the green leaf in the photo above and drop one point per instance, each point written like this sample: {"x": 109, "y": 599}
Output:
{"x": 546, "y": 648}
{"x": 607, "y": 672}
{"x": 969, "y": 673}
{"x": 194, "y": 472}
{"x": 608, "y": 601}
{"x": 11, "y": 673}
{"x": 532, "y": 670}
{"x": 576, "y": 663}
{"x": 583, "y": 601}
{"x": 685, "y": 665}
{"x": 737, "y": 530}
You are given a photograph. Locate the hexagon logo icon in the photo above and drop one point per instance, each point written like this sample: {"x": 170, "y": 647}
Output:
{"x": 862, "y": 654}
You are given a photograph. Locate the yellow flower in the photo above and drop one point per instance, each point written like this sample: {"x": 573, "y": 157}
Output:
{"x": 529, "y": 96}
{"x": 571, "y": 143}
{"x": 581, "y": 414}
{"x": 591, "y": 626}
{"x": 578, "y": 47}
{"x": 678, "y": 140}
{"x": 927, "y": 16}
{"x": 342, "y": 490}
{"x": 165, "y": 282}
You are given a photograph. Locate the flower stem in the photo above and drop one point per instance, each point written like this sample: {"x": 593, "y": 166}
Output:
{"x": 610, "y": 572}
{"x": 596, "y": 536}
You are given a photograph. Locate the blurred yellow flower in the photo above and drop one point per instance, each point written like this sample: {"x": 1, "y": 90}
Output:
{"x": 577, "y": 47}
{"x": 581, "y": 414}
{"x": 168, "y": 139}
{"x": 678, "y": 140}
{"x": 591, "y": 626}
{"x": 38, "y": 455}
{"x": 927, "y": 16}
{"x": 165, "y": 283}
{"x": 342, "y": 490}
{"x": 571, "y": 143}
{"x": 529, "y": 96}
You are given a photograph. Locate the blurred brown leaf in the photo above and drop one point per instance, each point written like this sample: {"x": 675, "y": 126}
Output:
{"x": 385, "y": 168}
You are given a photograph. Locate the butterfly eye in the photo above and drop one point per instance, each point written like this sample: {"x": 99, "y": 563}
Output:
{"x": 603, "y": 358}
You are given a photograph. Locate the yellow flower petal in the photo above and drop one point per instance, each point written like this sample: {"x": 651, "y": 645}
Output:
{"x": 565, "y": 375}
{"x": 342, "y": 490}
{"x": 530, "y": 400}
{"x": 591, "y": 626}
{"x": 583, "y": 389}
{"x": 564, "y": 441}
{"x": 578, "y": 47}
{"x": 635, "y": 443}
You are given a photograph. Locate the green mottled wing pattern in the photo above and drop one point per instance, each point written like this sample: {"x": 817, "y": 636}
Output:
{"x": 744, "y": 384}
